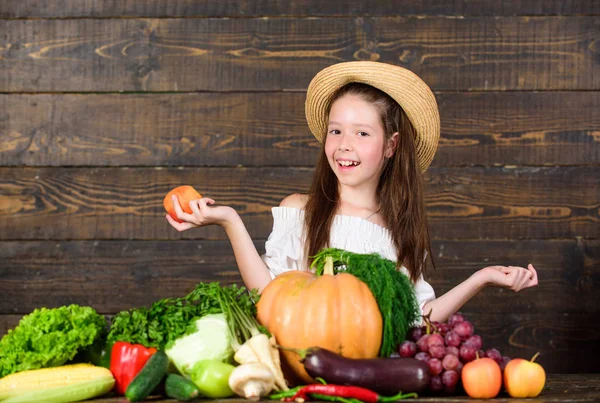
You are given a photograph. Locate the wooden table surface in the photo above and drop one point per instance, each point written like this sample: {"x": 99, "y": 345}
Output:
{"x": 559, "y": 388}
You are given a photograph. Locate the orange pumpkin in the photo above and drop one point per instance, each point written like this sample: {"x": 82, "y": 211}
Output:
{"x": 338, "y": 313}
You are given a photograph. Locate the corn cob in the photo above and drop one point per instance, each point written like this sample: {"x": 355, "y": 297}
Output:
{"x": 66, "y": 394}
{"x": 86, "y": 379}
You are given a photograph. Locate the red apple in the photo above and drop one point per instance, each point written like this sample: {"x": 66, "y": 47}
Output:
{"x": 524, "y": 378}
{"x": 184, "y": 194}
{"x": 482, "y": 378}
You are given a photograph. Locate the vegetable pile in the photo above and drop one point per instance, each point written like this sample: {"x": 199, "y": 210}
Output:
{"x": 182, "y": 347}
{"x": 211, "y": 343}
{"x": 204, "y": 335}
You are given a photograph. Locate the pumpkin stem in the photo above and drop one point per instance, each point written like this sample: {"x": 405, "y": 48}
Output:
{"x": 328, "y": 269}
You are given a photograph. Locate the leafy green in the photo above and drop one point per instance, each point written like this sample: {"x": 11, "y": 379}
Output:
{"x": 210, "y": 341}
{"x": 157, "y": 326}
{"x": 49, "y": 337}
{"x": 168, "y": 319}
{"x": 392, "y": 289}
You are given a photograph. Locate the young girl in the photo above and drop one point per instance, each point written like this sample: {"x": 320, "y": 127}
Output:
{"x": 379, "y": 126}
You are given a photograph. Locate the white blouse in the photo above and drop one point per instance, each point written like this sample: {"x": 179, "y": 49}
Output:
{"x": 284, "y": 249}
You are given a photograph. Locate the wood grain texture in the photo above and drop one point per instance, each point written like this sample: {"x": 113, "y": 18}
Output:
{"x": 109, "y": 275}
{"x": 123, "y": 203}
{"x": 568, "y": 271}
{"x": 273, "y": 54}
{"x": 519, "y": 128}
{"x": 240, "y": 8}
{"x": 207, "y": 129}
{"x": 269, "y": 129}
{"x": 126, "y": 203}
{"x": 116, "y": 275}
{"x": 567, "y": 342}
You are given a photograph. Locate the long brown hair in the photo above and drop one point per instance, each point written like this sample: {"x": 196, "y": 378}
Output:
{"x": 399, "y": 192}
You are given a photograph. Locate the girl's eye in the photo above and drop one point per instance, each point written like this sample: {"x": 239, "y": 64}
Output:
{"x": 334, "y": 131}
{"x": 363, "y": 134}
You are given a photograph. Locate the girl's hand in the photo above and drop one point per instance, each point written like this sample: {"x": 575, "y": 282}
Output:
{"x": 202, "y": 214}
{"x": 512, "y": 277}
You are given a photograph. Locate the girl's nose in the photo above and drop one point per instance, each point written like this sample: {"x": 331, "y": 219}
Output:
{"x": 344, "y": 144}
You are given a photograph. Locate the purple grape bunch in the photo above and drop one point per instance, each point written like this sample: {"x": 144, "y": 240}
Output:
{"x": 446, "y": 347}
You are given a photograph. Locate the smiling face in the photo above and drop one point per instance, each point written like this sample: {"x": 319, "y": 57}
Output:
{"x": 356, "y": 146}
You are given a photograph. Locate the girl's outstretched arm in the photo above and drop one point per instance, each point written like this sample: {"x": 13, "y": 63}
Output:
{"x": 252, "y": 268}
{"x": 511, "y": 277}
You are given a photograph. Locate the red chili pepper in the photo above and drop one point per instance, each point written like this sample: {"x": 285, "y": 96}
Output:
{"x": 346, "y": 392}
{"x": 126, "y": 361}
{"x": 350, "y": 392}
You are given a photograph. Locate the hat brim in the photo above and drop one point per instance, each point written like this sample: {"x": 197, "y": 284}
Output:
{"x": 411, "y": 92}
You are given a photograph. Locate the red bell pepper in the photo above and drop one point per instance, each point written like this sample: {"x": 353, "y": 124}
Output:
{"x": 126, "y": 361}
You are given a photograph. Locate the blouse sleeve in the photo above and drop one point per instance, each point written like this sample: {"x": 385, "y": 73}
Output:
{"x": 424, "y": 292}
{"x": 284, "y": 247}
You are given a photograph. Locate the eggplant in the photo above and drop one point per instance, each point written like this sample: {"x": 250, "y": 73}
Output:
{"x": 386, "y": 376}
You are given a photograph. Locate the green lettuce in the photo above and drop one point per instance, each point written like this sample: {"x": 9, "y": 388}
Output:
{"x": 49, "y": 337}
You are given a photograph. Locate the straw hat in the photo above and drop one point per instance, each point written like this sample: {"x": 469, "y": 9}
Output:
{"x": 413, "y": 95}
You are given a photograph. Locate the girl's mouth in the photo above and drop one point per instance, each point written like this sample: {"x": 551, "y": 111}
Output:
{"x": 347, "y": 165}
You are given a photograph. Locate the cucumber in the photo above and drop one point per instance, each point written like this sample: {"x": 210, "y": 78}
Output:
{"x": 180, "y": 388}
{"x": 148, "y": 378}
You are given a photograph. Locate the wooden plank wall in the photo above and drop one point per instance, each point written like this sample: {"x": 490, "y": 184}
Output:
{"x": 105, "y": 106}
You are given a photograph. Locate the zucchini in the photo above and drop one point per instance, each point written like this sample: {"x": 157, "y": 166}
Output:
{"x": 148, "y": 378}
{"x": 180, "y": 388}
